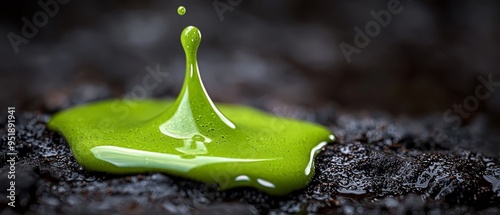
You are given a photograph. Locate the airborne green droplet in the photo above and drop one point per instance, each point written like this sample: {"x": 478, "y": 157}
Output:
{"x": 181, "y": 10}
{"x": 233, "y": 146}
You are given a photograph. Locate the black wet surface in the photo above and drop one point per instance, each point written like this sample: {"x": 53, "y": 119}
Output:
{"x": 379, "y": 164}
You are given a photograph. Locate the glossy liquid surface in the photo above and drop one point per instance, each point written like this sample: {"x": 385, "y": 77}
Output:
{"x": 181, "y": 10}
{"x": 191, "y": 137}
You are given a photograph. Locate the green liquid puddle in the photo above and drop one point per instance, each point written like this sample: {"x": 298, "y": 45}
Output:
{"x": 233, "y": 146}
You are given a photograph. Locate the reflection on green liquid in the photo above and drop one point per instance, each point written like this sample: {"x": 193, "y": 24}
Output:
{"x": 181, "y": 10}
{"x": 233, "y": 146}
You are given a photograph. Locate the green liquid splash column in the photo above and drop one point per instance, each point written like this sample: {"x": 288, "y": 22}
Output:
{"x": 191, "y": 137}
{"x": 194, "y": 117}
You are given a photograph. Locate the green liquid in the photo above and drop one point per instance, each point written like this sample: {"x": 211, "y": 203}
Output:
{"x": 181, "y": 10}
{"x": 191, "y": 137}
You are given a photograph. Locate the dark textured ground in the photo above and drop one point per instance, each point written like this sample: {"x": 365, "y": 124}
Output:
{"x": 379, "y": 164}
{"x": 280, "y": 56}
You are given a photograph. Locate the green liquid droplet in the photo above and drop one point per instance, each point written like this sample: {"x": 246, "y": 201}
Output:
{"x": 233, "y": 146}
{"x": 181, "y": 10}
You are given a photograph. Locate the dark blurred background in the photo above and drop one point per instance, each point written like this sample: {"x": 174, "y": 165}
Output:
{"x": 426, "y": 59}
